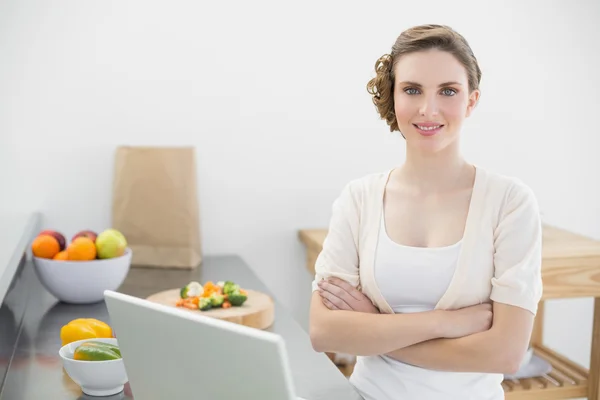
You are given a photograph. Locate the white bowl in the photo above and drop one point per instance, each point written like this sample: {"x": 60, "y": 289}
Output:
{"x": 526, "y": 358}
{"x": 82, "y": 282}
{"x": 96, "y": 378}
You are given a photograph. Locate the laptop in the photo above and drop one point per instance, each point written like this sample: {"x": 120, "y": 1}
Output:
{"x": 171, "y": 353}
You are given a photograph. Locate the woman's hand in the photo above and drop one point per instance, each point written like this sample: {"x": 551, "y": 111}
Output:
{"x": 467, "y": 321}
{"x": 338, "y": 294}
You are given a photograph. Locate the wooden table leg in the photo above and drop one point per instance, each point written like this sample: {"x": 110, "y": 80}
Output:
{"x": 537, "y": 336}
{"x": 594, "y": 377}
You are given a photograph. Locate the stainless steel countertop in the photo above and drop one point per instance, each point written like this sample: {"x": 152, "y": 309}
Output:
{"x": 16, "y": 231}
{"x": 35, "y": 371}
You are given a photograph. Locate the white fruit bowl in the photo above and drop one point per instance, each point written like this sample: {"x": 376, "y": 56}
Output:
{"x": 82, "y": 282}
{"x": 96, "y": 378}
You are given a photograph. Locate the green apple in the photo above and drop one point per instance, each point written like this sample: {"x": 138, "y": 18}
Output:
{"x": 110, "y": 243}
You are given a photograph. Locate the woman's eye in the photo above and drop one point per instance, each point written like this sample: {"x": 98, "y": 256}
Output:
{"x": 448, "y": 92}
{"x": 411, "y": 91}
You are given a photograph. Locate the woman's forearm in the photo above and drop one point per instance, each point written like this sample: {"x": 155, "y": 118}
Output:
{"x": 480, "y": 352}
{"x": 498, "y": 350}
{"x": 367, "y": 334}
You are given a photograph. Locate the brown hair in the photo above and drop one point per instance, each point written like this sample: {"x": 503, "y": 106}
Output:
{"x": 418, "y": 38}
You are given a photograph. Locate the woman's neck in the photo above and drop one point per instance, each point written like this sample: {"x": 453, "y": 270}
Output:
{"x": 434, "y": 173}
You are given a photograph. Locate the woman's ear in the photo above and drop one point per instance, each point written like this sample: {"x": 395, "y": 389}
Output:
{"x": 473, "y": 100}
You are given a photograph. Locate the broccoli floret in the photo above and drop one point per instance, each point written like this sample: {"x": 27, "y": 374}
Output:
{"x": 217, "y": 299}
{"x": 230, "y": 287}
{"x": 237, "y": 299}
{"x": 205, "y": 303}
{"x": 192, "y": 289}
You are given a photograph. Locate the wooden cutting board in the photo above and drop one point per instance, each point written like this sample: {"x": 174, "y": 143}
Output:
{"x": 258, "y": 311}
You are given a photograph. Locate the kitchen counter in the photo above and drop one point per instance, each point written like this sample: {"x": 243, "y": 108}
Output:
{"x": 30, "y": 329}
{"x": 15, "y": 233}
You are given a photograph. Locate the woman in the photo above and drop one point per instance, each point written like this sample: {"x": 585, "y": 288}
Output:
{"x": 431, "y": 272}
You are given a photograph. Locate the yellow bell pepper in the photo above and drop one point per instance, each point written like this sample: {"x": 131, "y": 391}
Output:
{"x": 84, "y": 328}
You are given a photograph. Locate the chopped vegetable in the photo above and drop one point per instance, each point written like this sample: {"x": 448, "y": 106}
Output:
{"x": 109, "y": 346}
{"x": 217, "y": 299}
{"x": 192, "y": 289}
{"x": 210, "y": 288}
{"x": 237, "y": 299}
{"x": 95, "y": 352}
{"x": 205, "y": 303}
{"x": 224, "y": 294}
{"x": 230, "y": 287}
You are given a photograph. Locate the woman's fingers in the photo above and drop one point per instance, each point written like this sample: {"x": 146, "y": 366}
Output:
{"x": 337, "y": 291}
{"x": 329, "y": 304}
{"x": 334, "y": 299}
{"x": 346, "y": 297}
{"x": 348, "y": 288}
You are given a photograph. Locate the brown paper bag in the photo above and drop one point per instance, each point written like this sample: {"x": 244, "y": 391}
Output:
{"x": 155, "y": 205}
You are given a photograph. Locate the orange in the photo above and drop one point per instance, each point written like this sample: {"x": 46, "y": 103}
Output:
{"x": 81, "y": 249}
{"x": 61, "y": 256}
{"x": 45, "y": 246}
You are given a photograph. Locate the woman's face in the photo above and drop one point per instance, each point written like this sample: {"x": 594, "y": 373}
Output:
{"x": 432, "y": 99}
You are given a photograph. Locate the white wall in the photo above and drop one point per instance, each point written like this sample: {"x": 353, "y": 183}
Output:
{"x": 272, "y": 94}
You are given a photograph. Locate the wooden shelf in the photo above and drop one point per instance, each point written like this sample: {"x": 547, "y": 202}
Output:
{"x": 566, "y": 380}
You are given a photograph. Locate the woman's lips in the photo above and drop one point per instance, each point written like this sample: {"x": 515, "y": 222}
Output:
{"x": 428, "y": 129}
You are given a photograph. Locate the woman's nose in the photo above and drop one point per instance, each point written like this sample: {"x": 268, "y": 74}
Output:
{"x": 429, "y": 106}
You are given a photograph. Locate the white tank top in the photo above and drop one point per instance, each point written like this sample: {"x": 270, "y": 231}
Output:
{"x": 413, "y": 279}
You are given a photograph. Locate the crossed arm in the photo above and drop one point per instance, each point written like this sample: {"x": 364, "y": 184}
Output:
{"x": 498, "y": 349}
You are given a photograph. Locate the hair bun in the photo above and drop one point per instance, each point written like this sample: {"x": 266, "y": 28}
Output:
{"x": 384, "y": 63}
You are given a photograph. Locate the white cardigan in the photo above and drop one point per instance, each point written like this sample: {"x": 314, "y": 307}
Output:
{"x": 500, "y": 258}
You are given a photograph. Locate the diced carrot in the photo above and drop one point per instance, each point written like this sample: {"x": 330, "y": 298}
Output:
{"x": 180, "y": 302}
{"x": 191, "y": 306}
{"x": 226, "y": 304}
{"x": 195, "y": 300}
{"x": 242, "y": 291}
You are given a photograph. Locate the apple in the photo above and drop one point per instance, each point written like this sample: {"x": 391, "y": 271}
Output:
{"x": 87, "y": 233}
{"x": 56, "y": 235}
{"x": 110, "y": 243}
